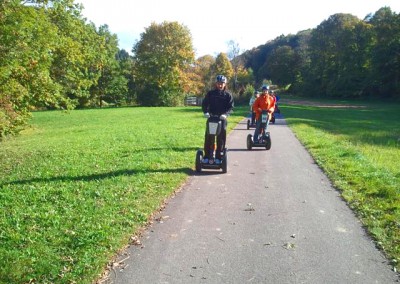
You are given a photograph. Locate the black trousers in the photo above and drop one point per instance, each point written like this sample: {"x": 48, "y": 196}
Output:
{"x": 253, "y": 117}
{"x": 209, "y": 142}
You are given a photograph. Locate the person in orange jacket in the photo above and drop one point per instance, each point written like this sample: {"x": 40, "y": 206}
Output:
{"x": 263, "y": 102}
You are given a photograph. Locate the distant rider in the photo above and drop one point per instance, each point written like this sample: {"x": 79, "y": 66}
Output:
{"x": 251, "y": 102}
{"x": 217, "y": 102}
{"x": 276, "y": 99}
{"x": 263, "y": 102}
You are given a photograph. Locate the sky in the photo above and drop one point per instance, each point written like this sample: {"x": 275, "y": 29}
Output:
{"x": 213, "y": 24}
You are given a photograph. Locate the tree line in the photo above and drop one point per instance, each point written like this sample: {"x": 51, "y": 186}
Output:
{"x": 54, "y": 58}
{"x": 343, "y": 57}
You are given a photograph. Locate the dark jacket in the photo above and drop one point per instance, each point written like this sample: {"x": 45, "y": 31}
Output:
{"x": 218, "y": 102}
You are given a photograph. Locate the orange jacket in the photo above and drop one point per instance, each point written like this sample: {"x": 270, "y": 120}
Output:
{"x": 274, "y": 99}
{"x": 264, "y": 102}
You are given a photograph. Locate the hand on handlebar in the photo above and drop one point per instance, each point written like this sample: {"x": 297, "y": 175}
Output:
{"x": 222, "y": 117}
{"x": 206, "y": 115}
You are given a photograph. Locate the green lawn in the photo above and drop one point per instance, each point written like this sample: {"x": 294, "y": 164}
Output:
{"x": 75, "y": 186}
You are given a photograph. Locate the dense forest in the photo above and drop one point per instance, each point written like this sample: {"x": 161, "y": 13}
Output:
{"x": 343, "y": 57}
{"x": 54, "y": 58}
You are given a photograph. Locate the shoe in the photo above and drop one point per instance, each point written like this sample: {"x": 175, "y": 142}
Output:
{"x": 218, "y": 161}
{"x": 204, "y": 161}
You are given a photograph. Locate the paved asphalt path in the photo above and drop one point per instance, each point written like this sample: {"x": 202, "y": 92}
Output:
{"x": 273, "y": 218}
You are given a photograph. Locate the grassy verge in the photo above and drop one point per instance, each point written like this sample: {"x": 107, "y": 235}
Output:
{"x": 358, "y": 146}
{"x": 76, "y": 186}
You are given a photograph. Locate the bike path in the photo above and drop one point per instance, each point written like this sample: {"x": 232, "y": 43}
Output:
{"x": 273, "y": 218}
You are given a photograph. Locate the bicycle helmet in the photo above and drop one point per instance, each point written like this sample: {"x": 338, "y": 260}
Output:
{"x": 265, "y": 87}
{"x": 221, "y": 78}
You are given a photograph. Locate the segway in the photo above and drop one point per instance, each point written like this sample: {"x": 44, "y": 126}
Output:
{"x": 214, "y": 129}
{"x": 251, "y": 125}
{"x": 272, "y": 118}
{"x": 264, "y": 138}
{"x": 277, "y": 110}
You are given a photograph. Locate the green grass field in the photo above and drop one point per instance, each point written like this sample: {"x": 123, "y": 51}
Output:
{"x": 75, "y": 186}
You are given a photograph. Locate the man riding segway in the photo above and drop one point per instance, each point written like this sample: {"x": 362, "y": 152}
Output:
{"x": 253, "y": 98}
{"x": 217, "y": 105}
{"x": 263, "y": 102}
{"x": 263, "y": 107}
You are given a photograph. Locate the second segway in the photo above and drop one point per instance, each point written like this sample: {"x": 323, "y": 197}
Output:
{"x": 264, "y": 137}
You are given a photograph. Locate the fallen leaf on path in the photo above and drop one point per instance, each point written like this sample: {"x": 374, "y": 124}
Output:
{"x": 249, "y": 207}
{"x": 289, "y": 246}
{"x": 135, "y": 241}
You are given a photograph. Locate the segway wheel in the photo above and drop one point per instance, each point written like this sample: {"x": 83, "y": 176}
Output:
{"x": 199, "y": 157}
{"x": 225, "y": 163}
{"x": 248, "y": 124}
{"x": 273, "y": 119}
{"x": 249, "y": 142}
{"x": 268, "y": 141}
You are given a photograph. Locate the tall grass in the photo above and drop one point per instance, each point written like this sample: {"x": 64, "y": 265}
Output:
{"x": 75, "y": 186}
{"x": 359, "y": 148}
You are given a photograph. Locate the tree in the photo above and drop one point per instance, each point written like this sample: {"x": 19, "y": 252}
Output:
{"x": 50, "y": 58}
{"x": 203, "y": 67}
{"x": 79, "y": 56}
{"x": 337, "y": 52}
{"x": 282, "y": 65}
{"x": 245, "y": 77}
{"x": 233, "y": 52}
{"x": 386, "y": 53}
{"x": 195, "y": 80}
{"x": 161, "y": 57}
{"x": 112, "y": 85}
{"x": 26, "y": 43}
{"x": 223, "y": 66}
{"x": 126, "y": 65}
{"x": 245, "y": 85}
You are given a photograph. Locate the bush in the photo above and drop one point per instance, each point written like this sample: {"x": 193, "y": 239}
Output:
{"x": 11, "y": 121}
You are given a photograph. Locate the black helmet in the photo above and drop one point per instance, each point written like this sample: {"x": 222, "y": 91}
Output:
{"x": 221, "y": 78}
